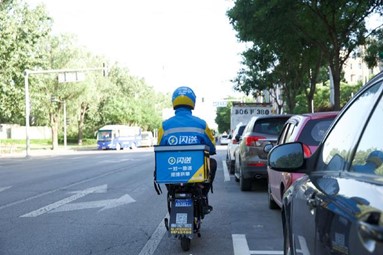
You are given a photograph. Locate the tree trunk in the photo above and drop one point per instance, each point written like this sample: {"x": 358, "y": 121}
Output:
{"x": 313, "y": 75}
{"x": 84, "y": 107}
{"x": 55, "y": 126}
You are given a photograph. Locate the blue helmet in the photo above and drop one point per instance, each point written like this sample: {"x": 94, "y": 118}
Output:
{"x": 183, "y": 96}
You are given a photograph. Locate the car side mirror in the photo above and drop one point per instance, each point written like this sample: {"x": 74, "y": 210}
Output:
{"x": 268, "y": 148}
{"x": 237, "y": 138}
{"x": 286, "y": 157}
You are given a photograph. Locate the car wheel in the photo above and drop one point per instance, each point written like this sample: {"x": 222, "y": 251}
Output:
{"x": 244, "y": 184}
{"x": 228, "y": 162}
{"x": 231, "y": 167}
{"x": 236, "y": 173}
{"x": 272, "y": 204}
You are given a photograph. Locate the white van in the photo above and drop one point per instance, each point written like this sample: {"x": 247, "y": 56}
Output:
{"x": 147, "y": 139}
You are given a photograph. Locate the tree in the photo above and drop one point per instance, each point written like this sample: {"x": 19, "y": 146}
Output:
{"x": 22, "y": 42}
{"x": 341, "y": 26}
{"x": 278, "y": 57}
{"x": 223, "y": 118}
{"x": 374, "y": 52}
{"x": 335, "y": 28}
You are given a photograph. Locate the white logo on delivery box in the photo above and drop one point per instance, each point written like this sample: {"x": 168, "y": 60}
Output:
{"x": 179, "y": 160}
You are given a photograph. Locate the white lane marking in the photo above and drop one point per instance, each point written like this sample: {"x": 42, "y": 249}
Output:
{"x": 77, "y": 195}
{"x": 151, "y": 245}
{"x": 115, "y": 161}
{"x": 105, "y": 204}
{"x": 240, "y": 245}
{"x": 304, "y": 249}
{"x": 225, "y": 171}
{"x": 242, "y": 248}
{"x": 55, "y": 190}
{"x": 5, "y": 188}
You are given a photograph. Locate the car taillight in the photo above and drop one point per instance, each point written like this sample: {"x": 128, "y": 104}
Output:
{"x": 251, "y": 140}
{"x": 306, "y": 151}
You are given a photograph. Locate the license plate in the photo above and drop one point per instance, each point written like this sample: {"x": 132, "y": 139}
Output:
{"x": 184, "y": 202}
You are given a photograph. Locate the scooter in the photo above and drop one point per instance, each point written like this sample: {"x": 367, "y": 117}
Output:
{"x": 187, "y": 207}
{"x": 185, "y": 172}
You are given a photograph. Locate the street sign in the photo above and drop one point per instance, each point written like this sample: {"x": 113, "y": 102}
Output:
{"x": 71, "y": 77}
{"x": 220, "y": 104}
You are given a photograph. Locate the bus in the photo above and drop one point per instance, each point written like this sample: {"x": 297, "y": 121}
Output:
{"x": 118, "y": 137}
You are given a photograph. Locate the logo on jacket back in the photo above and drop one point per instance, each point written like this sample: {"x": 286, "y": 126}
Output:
{"x": 183, "y": 139}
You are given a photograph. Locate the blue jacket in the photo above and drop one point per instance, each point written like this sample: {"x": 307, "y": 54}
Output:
{"x": 184, "y": 128}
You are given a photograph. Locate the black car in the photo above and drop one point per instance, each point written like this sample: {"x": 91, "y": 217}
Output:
{"x": 250, "y": 157}
{"x": 337, "y": 207}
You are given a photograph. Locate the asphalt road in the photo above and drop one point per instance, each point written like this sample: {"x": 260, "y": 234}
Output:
{"x": 103, "y": 202}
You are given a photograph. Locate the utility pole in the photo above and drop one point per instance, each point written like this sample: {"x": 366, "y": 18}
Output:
{"x": 74, "y": 75}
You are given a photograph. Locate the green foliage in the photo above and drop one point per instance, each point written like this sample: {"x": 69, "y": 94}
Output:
{"x": 291, "y": 41}
{"x": 322, "y": 98}
{"x": 22, "y": 43}
{"x": 26, "y": 43}
{"x": 223, "y": 118}
{"x": 374, "y": 52}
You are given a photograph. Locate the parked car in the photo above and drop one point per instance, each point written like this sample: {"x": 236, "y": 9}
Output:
{"x": 309, "y": 129}
{"x": 232, "y": 146}
{"x": 337, "y": 207}
{"x": 147, "y": 139}
{"x": 224, "y": 139}
{"x": 250, "y": 157}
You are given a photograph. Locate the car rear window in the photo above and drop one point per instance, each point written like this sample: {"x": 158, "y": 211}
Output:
{"x": 269, "y": 126}
{"x": 314, "y": 131}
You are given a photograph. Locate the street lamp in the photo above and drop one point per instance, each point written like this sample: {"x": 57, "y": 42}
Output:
{"x": 53, "y": 100}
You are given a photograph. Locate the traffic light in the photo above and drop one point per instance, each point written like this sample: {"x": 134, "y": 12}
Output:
{"x": 104, "y": 70}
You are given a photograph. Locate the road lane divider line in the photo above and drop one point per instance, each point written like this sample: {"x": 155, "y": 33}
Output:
{"x": 155, "y": 239}
{"x": 242, "y": 248}
{"x": 225, "y": 171}
{"x": 5, "y": 188}
{"x": 240, "y": 245}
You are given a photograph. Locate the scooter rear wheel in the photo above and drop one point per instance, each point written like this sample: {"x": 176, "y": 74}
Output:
{"x": 185, "y": 243}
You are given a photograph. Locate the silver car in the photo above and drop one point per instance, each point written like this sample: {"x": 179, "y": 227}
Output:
{"x": 233, "y": 145}
{"x": 250, "y": 157}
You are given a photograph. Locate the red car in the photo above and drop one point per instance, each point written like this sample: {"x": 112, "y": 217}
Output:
{"x": 308, "y": 129}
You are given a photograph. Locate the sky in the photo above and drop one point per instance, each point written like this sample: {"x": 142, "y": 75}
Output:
{"x": 169, "y": 43}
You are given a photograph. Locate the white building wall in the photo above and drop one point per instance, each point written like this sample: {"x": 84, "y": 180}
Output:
{"x": 9, "y": 131}
{"x": 356, "y": 70}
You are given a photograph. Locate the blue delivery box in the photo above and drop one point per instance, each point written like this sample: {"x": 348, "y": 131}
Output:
{"x": 181, "y": 164}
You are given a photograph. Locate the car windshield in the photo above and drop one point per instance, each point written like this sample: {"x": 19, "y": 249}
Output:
{"x": 104, "y": 135}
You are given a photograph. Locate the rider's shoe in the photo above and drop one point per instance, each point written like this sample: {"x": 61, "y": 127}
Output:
{"x": 207, "y": 209}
